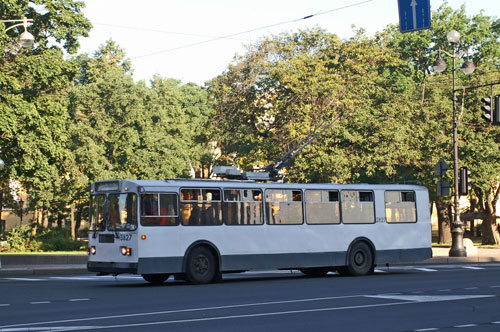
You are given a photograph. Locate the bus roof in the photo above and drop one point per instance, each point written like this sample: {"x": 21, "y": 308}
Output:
{"x": 206, "y": 183}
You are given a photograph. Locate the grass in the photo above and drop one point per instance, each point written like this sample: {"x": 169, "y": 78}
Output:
{"x": 45, "y": 253}
{"x": 475, "y": 240}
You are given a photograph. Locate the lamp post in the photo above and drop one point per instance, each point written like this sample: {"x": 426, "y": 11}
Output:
{"x": 21, "y": 205}
{"x": 2, "y": 225}
{"x": 26, "y": 39}
{"x": 457, "y": 233}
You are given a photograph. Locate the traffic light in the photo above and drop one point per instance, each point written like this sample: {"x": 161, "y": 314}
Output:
{"x": 488, "y": 108}
{"x": 463, "y": 184}
{"x": 492, "y": 108}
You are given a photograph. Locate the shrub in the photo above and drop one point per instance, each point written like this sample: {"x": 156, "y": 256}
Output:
{"x": 58, "y": 239}
{"x": 48, "y": 239}
{"x": 19, "y": 239}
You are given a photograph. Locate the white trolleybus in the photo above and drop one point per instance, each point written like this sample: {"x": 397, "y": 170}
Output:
{"x": 199, "y": 229}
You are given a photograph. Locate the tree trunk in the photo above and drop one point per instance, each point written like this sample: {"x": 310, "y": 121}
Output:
{"x": 72, "y": 221}
{"x": 489, "y": 230}
{"x": 45, "y": 218}
{"x": 60, "y": 218}
{"x": 443, "y": 209}
{"x": 36, "y": 222}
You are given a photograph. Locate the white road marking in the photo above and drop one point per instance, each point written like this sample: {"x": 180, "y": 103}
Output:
{"x": 40, "y": 302}
{"x": 465, "y": 325}
{"x": 72, "y": 278}
{"x": 473, "y": 267}
{"x": 401, "y": 300}
{"x": 424, "y": 269}
{"x": 25, "y": 279}
{"x": 4, "y": 304}
{"x": 471, "y": 288}
{"x": 186, "y": 310}
{"x": 77, "y": 300}
{"x": 429, "y": 298}
{"x": 428, "y": 329}
{"x": 49, "y": 328}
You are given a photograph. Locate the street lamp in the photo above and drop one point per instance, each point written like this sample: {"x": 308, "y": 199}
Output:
{"x": 457, "y": 233}
{"x": 21, "y": 205}
{"x": 26, "y": 39}
{"x": 2, "y": 225}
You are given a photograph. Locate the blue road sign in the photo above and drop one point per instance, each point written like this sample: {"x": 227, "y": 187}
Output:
{"x": 414, "y": 15}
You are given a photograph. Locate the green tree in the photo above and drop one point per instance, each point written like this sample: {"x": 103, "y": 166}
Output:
{"x": 32, "y": 96}
{"x": 478, "y": 145}
{"x": 285, "y": 85}
{"x": 123, "y": 129}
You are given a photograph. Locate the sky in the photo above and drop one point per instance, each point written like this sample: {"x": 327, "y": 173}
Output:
{"x": 182, "y": 39}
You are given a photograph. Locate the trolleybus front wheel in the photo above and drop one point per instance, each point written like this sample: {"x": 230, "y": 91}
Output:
{"x": 315, "y": 271}
{"x": 201, "y": 268}
{"x": 155, "y": 279}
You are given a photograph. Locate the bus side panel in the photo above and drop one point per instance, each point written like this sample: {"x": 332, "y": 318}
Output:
{"x": 160, "y": 251}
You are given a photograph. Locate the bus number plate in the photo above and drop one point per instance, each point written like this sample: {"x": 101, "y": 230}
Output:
{"x": 125, "y": 237}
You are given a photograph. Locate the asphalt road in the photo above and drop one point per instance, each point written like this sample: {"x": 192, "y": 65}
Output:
{"x": 461, "y": 298}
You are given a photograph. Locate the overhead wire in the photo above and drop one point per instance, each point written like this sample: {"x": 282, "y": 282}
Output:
{"x": 251, "y": 30}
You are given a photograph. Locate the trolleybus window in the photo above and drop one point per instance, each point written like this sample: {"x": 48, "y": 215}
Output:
{"x": 122, "y": 212}
{"x": 322, "y": 207}
{"x": 357, "y": 207}
{"x": 400, "y": 206}
{"x": 97, "y": 212}
{"x": 284, "y": 207}
{"x": 243, "y": 207}
{"x": 159, "y": 209}
{"x": 201, "y": 206}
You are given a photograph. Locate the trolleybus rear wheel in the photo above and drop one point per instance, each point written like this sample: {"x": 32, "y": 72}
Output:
{"x": 360, "y": 260}
{"x": 200, "y": 268}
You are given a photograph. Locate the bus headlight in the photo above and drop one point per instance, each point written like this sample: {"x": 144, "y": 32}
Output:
{"x": 126, "y": 251}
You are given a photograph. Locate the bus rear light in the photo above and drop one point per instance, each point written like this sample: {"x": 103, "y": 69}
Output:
{"x": 143, "y": 237}
{"x": 126, "y": 251}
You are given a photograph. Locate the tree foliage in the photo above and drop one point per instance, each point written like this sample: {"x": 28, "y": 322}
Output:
{"x": 398, "y": 113}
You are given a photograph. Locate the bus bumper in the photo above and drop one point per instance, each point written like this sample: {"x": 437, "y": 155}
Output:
{"x": 112, "y": 267}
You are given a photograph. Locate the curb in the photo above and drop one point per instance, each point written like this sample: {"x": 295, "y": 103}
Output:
{"x": 33, "y": 265}
{"x": 42, "y": 270}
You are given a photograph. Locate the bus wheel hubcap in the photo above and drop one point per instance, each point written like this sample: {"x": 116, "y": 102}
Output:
{"x": 201, "y": 264}
{"x": 359, "y": 258}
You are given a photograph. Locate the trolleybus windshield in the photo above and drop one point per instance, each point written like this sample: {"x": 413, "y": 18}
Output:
{"x": 116, "y": 211}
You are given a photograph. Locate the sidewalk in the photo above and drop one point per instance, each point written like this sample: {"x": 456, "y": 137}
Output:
{"x": 16, "y": 265}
